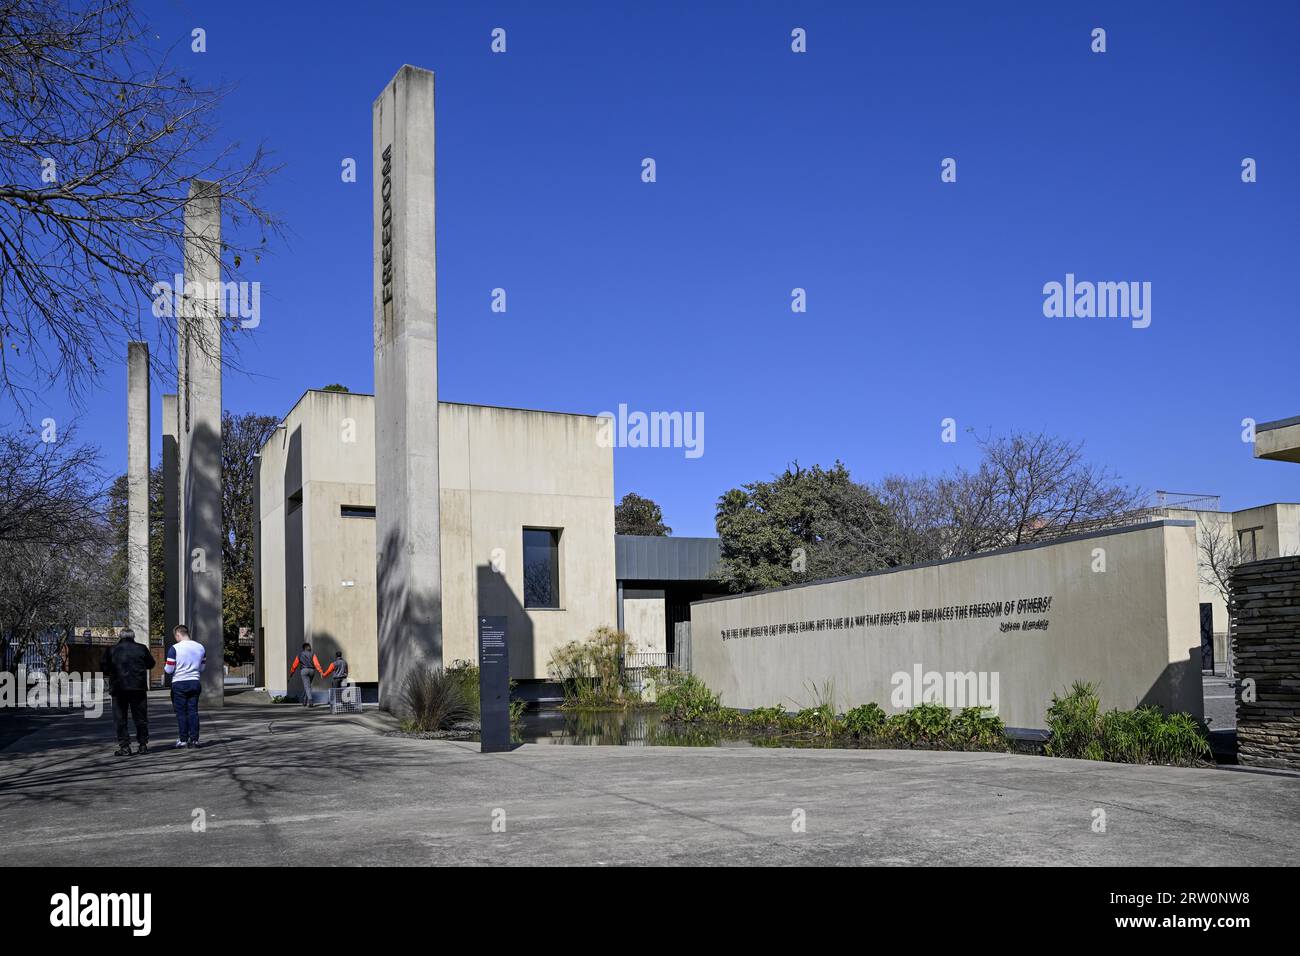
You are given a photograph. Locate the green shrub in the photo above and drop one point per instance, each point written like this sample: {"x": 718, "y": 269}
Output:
{"x": 434, "y": 699}
{"x": 1074, "y": 723}
{"x": 820, "y": 720}
{"x": 1126, "y": 735}
{"x": 466, "y": 674}
{"x": 1142, "y": 735}
{"x": 767, "y": 718}
{"x": 922, "y": 724}
{"x": 591, "y": 672}
{"x": 865, "y": 721}
{"x": 727, "y": 717}
{"x": 1145, "y": 735}
{"x": 685, "y": 697}
{"x": 1181, "y": 741}
{"x": 819, "y": 717}
{"x": 979, "y": 728}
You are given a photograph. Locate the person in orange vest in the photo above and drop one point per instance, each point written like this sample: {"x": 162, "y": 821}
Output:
{"x": 339, "y": 668}
{"x": 307, "y": 662}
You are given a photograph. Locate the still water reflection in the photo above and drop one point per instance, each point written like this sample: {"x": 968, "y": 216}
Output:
{"x": 640, "y": 728}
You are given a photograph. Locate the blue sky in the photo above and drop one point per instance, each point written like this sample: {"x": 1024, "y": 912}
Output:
{"x": 778, "y": 170}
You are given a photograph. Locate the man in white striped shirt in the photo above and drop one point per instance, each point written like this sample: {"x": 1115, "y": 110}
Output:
{"x": 185, "y": 662}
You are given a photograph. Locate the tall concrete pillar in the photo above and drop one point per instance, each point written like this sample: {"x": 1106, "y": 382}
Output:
{"x": 171, "y": 519}
{"x": 137, "y": 490}
{"x": 200, "y": 403}
{"x": 181, "y": 564}
{"x": 409, "y": 575}
{"x": 259, "y": 651}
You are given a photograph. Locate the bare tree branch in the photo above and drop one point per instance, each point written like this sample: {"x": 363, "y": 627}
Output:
{"x": 55, "y": 541}
{"x": 99, "y": 140}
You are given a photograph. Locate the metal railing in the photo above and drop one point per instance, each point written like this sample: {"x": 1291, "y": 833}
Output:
{"x": 643, "y": 660}
{"x": 1186, "y": 500}
{"x": 236, "y": 673}
{"x": 636, "y": 668}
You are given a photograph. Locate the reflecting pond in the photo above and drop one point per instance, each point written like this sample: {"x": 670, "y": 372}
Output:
{"x": 643, "y": 728}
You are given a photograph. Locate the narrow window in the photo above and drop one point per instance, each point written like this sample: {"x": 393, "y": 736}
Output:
{"x": 542, "y": 567}
{"x": 1249, "y": 544}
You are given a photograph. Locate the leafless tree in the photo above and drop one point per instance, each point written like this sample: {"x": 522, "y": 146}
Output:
{"x": 920, "y": 531}
{"x": 50, "y": 491}
{"x": 1028, "y": 486}
{"x": 55, "y": 547}
{"x": 1220, "y": 552}
{"x": 45, "y": 591}
{"x": 99, "y": 140}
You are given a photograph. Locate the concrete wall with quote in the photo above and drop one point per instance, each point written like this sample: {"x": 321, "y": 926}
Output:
{"x": 1039, "y": 616}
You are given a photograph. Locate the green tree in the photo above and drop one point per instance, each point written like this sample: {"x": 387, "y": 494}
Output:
{"x": 335, "y": 388}
{"x": 805, "y": 524}
{"x": 637, "y": 515}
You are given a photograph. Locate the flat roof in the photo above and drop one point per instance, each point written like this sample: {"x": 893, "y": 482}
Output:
{"x": 643, "y": 557}
{"x": 1280, "y": 423}
{"x": 503, "y": 408}
{"x": 443, "y": 401}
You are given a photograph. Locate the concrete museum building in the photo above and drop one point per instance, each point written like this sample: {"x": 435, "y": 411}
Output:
{"x": 527, "y": 532}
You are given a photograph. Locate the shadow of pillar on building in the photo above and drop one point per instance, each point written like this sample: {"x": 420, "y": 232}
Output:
{"x": 203, "y": 555}
{"x": 1179, "y": 682}
{"x": 495, "y": 598}
{"x": 172, "y": 583}
{"x": 411, "y": 614}
{"x": 294, "y": 597}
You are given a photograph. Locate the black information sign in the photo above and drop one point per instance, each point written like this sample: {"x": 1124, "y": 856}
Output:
{"x": 493, "y": 685}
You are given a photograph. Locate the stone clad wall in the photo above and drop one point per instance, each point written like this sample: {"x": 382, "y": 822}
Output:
{"x": 1266, "y": 646}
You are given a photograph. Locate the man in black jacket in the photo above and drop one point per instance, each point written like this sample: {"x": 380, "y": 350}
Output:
{"x": 127, "y": 665}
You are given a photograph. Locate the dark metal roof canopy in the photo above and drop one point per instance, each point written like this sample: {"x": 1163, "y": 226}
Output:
{"x": 650, "y": 558}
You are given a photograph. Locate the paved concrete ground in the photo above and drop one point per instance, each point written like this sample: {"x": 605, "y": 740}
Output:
{"x": 1220, "y": 702}
{"x": 280, "y": 786}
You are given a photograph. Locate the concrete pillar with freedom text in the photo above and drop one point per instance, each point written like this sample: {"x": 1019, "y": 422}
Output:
{"x": 408, "y": 559}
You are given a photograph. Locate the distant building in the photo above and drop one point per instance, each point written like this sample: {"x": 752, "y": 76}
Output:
{"x": 1250, "y": 534}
